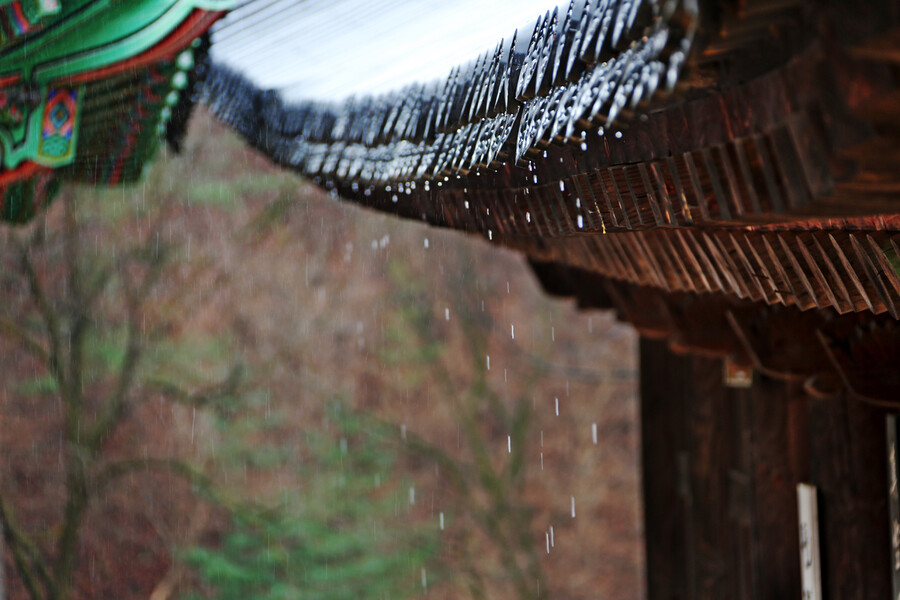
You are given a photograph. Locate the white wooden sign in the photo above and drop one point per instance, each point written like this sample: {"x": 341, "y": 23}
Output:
{"x": 894, "y": 502}
{"x": 810, "y": 564}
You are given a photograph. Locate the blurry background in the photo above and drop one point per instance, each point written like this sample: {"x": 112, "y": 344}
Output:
{"x": 309, "y": 400}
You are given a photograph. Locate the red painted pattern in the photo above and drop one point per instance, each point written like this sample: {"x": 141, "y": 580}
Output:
{"x": 194, "y": 26}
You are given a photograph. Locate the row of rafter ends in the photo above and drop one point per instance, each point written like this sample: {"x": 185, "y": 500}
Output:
{"x": 763, "y": 175}
{"x": 618, "y": 40}
{"x": 573, "y": 74}
{"x": 848, "y": 271}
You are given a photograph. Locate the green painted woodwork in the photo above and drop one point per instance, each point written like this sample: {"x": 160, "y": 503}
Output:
{"x": 89, "y": 35}
{"x": 86, "y": 35}
{"x": 37, "y": 10}
{"x": 20, "y": 200}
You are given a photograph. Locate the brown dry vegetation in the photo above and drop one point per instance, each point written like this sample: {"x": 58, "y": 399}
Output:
{"x": 325, "y": 301}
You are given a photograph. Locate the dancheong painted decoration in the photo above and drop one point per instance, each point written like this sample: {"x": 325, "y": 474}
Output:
{"x": 725, "y": 174}
{"x": 87, "y": 89}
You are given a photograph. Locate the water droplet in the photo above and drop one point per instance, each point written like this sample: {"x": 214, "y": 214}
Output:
{"x": 557, "y": 406}
{"x": 488, "y": 362}
{"x": 580, "y": 222}
{"x": 447, "y": 314}
{"x": 426, "y": 242}
{"x": 573, "y": 507}
{"x": 442, "y": 521}
{"x": 594, "y": 433}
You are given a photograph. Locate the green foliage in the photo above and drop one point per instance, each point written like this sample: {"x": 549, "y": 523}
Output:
{"x": 348, "y": 536}
{"x": 410, "y": 334}
{"x": 41, "y": 384}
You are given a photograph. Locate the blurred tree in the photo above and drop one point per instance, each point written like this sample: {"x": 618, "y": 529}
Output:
{"x": 493, "y": 543}
{"x": 93, "y": 321}
{"x": 345, "y": 536}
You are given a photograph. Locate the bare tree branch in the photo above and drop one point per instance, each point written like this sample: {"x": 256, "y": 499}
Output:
{"x": 20, "y": 334}
{"x": 27, "y": 559}
{"x": 209, "y": 397}
{"x": 116, "y": 405}
{"x": 48, "y": 314}
{"x": 115, "y": 469}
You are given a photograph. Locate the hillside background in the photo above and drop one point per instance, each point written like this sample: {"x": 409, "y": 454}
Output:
{"x": 327, "y": 309}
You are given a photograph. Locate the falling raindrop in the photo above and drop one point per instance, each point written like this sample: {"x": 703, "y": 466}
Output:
{"x": 488, "y": 362}
{"x": 557, "y": 406}
{"x": 442, "y": 521}
{"x": 594, "y": 433}
{"x": 509, "y": 444}
{"x": 573, "y": 507}
{"x": 447, "y": 314}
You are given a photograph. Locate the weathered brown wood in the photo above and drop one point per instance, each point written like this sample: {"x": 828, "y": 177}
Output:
{"x": 664, "y": 386}
{"x": 718, "y": 485}
{"x": 847, "y": 464}
{"x": 721, "y": 467}
{"x": 778, "y": 456}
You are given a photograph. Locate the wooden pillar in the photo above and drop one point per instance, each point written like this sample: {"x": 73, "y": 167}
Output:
{"x": 721, "y": 467}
